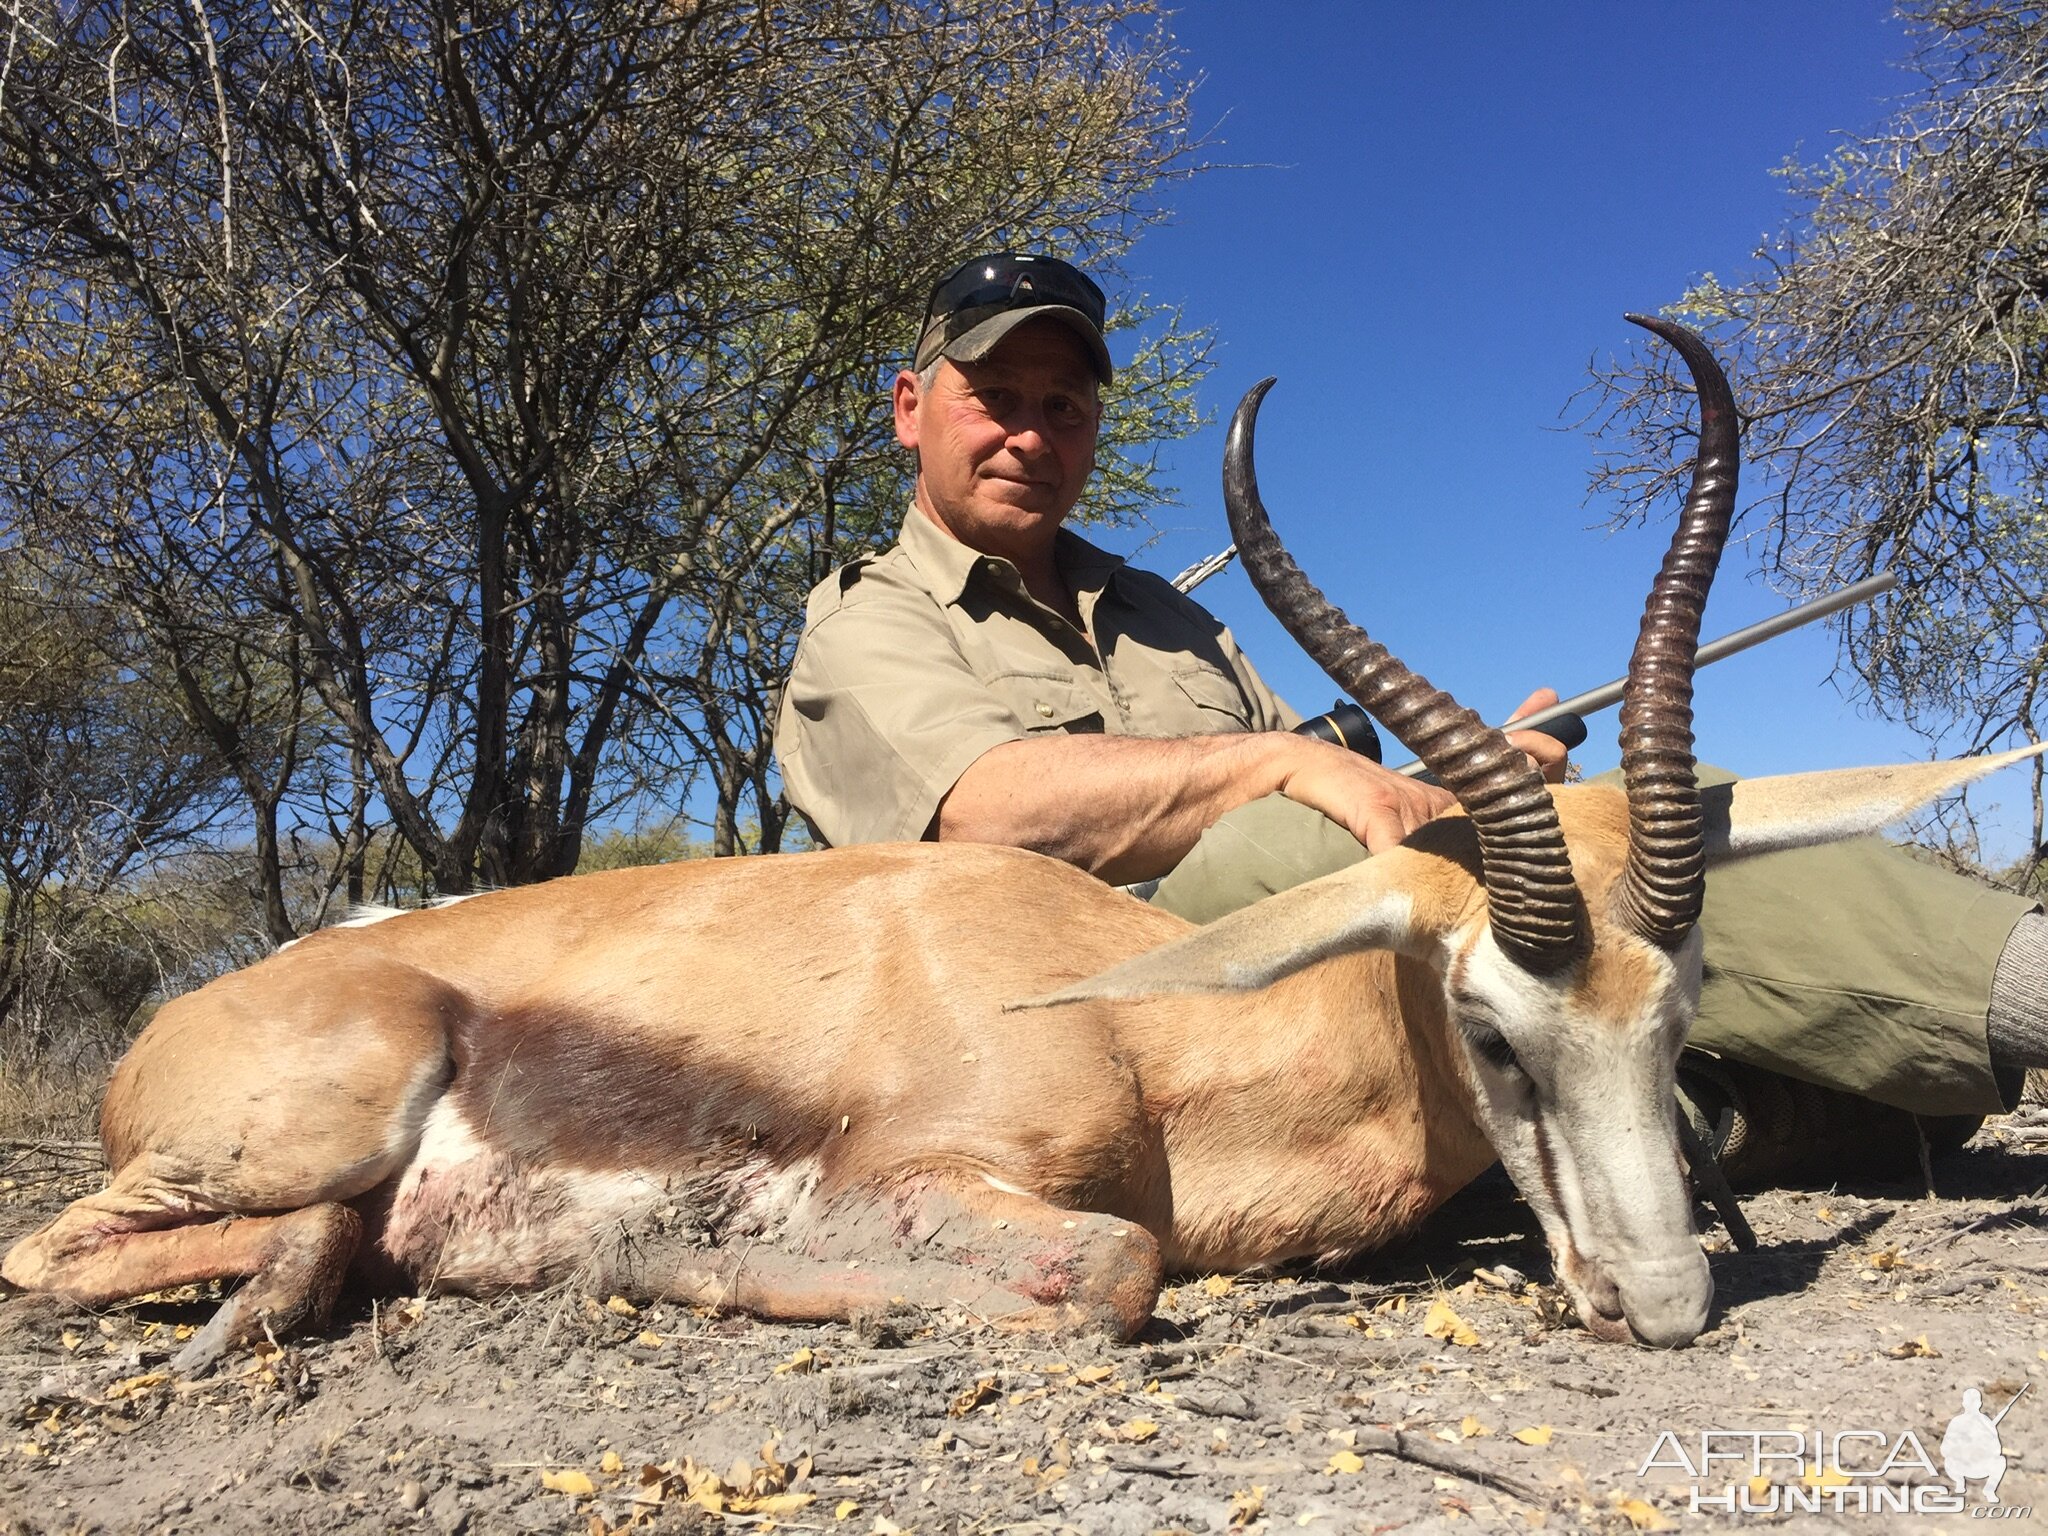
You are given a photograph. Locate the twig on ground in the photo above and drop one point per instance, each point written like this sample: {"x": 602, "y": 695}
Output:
{"x": 1273, "y": 1354}
{"x": 888, "y": 1367}
{"x": 1427, "y": 1453}
{"x": 80, "y": 1153}
{"x": 1185, "y": 1349}
{"x": 1151, "y": 1466}
{"x": 1590, "y": 1388}
{"x": 1279, "y": 1312}
{"x": 1962, "y": 1232}
{"x": 1957, "y": 1286}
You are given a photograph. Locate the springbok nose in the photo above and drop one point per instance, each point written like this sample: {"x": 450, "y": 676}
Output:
{"x": 1666, "y": 1301}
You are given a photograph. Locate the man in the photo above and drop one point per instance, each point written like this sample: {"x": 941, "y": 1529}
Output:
{"x": 996, "y": 678}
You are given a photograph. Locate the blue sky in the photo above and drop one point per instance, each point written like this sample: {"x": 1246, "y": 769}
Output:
{"x": 1441, "y": 215}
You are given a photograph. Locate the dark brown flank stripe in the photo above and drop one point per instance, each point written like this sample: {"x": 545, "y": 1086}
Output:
{"x": 575, "y": 1090}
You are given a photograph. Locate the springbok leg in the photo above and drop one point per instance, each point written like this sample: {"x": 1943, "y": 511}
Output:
{"x": 237, "y": 1124}
{"x": 126, "y": 1241}
{"x": 936, "y": 1243}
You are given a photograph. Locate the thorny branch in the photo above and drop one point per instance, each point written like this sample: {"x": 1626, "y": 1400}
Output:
{"x": 1891, "y": 359}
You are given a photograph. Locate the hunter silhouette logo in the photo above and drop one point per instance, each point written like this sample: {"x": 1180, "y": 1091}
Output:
{"x": 1970, "y": 1447}
{"x": 1844, "y": 1471}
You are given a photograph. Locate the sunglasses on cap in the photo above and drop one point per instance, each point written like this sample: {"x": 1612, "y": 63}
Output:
{"x": 1008, "y": 280}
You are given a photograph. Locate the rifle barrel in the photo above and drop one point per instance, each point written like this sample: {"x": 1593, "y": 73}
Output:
{"x": 1202, "y": 570}
{"x": 1593, "y": 700}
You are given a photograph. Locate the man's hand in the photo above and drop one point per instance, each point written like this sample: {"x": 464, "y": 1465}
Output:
{"x": 1550, "y": 755}
{"x": 1380, "y": 807}
{"x": 1374, "y": 804}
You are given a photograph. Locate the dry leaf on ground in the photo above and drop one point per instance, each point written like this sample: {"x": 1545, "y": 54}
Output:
{"x": 1645, "y": 1517}
{"x": 1440, "y": 1322}
{"x": 972, "y": 1398}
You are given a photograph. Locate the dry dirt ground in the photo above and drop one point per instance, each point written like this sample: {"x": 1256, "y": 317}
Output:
{"x": 1251, "y": 1403}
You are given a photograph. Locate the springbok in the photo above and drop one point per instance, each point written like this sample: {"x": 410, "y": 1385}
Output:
{"x": 800, "y": 1087}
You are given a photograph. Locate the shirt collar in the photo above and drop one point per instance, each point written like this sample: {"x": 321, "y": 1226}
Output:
{"x": 942, "y": 560}
{"x": 948, "y": 566}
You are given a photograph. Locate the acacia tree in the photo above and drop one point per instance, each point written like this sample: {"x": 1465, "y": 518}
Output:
{"x": 101, "y": 777}
{"x": 199, "y": 598}
{"x": 499, "y": 370}
{"x": 1891, "y": 360}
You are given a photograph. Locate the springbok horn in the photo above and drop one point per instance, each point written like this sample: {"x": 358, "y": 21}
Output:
{"x": 1660, "y": 891}
{"x": 1529, "y": 891}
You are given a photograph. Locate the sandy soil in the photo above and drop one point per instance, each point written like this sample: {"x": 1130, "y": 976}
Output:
{"x": 1428, "y": 1389}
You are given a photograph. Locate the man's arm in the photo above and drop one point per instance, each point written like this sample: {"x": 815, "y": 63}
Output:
{"x": 1127, "y": 808}
{"x": 886, "y": 733}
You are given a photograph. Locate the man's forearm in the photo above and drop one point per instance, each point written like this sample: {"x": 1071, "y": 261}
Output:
{"x": 1121, "y": 807}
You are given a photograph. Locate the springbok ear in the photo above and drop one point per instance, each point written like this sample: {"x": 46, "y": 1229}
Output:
{"x": 1367, "y": 906}
{"x": 1797, "y": 810}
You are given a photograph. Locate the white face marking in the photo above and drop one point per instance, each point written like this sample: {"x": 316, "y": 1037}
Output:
{"x": 1579, "y": 1107}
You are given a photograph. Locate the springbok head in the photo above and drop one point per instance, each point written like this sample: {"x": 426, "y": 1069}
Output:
{"x": 1573, "y": 994}
{"x": 1560, "y": 926}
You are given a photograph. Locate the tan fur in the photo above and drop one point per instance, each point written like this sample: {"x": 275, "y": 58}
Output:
{"x": 821, "y": 1055}
{"x": 856, "y": 995}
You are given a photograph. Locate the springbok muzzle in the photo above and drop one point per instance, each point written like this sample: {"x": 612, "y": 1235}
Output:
{"x": 1662, "y": 1302}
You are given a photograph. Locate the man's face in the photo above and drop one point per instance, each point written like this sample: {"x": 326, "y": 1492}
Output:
{"x": 1004, "y": 445}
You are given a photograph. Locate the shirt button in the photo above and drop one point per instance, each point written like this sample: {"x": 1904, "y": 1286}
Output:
{"x": 1045, "y": 709}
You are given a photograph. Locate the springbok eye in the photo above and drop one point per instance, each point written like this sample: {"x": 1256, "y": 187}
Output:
{"x": 1492, "y": 1045}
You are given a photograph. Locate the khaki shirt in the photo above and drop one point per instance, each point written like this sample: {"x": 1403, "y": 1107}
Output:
{"x": 915, "y": 662}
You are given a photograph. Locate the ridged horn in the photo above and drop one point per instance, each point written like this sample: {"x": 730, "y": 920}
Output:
{"x": 1661, "y": 890}
{"x": 1530, "y": 895}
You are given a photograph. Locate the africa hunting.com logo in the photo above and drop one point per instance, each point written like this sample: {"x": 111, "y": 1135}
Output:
{"x": 1845, "y": 1471}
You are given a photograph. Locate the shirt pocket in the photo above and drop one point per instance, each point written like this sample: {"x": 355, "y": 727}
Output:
{"x": 1219, "y": 704}
{"x": 1047, "y": 701}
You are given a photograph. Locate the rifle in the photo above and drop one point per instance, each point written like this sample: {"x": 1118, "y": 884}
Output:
{"x": 1202, "y": 570}
{"x": 1564, "y": 721}
{"x": 2008, "y": 1407}
{"x": 1347, "y": 725}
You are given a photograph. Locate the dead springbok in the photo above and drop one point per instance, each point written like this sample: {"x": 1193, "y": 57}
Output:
{"x": 797, "y": 1087}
